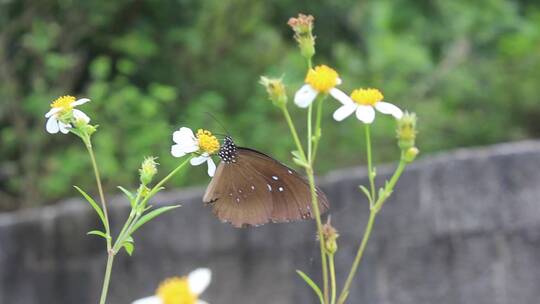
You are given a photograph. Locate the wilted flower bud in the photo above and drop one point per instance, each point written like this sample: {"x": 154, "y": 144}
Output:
{"x": 406, "y": 131}
{"x": 330, "y": 237}
{"x": 148, "y": 170}
{"x": 275, "y": 89}
{"x": 303, "y": 33}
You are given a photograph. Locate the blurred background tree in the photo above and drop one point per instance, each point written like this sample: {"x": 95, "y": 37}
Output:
{"x": 470, "y": 69}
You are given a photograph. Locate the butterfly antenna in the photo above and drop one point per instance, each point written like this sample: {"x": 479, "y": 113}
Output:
{"x": 219, "y": 123}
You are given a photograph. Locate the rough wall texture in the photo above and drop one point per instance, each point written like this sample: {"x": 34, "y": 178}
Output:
{"x": 462, "y": 227}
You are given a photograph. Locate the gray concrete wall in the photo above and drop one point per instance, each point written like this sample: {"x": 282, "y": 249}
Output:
{"x": 461, "y": 227}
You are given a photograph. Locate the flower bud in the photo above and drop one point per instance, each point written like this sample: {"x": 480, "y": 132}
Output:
{"x": 411, "y": 154}
{"x": 406, "y": 131}
{"x": 303, "y": 33}
{"x": 148, "y": 170}
{"x": 330, "y": 235}
{"x": 275, "y": 89}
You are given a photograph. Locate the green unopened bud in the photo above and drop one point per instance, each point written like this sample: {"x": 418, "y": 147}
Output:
{"x": 330, "y": 235}
{"x": 406, "y": 131}
{"x": 303, "y": 33}
{"x": 275, "y": 89}
{"x": 410, "y": 155}
{"x": 148, "y": 170}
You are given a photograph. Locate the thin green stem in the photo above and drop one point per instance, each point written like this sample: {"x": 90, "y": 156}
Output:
{"x": 367, "y": 233}
{"x": 309, "y": 133}
{"x": 107, "y": 279}
{"x": 135, "y": 216}
{"x": 315, "y": 207}
{"x": 345, "y": 291}
{"x": 100, "y": 188}
{"x": 318, "y": 131}
{"x": 292, "y": 128}
{"x": 332, "y": 277}
{"x": 371, "y": 173}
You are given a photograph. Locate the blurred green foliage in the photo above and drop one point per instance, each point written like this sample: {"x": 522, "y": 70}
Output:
{"x": 470, "y": 69}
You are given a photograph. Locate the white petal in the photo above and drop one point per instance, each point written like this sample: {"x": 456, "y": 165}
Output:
{"x": 339, "y": 81}
{"x": 199, "y": 159}
{"x": 201, "y": 302}
{"x": 64, "y": 128}
{"x": 80, "y": 102}
{"x": 341, "y": 97}
{"x": 52, "y": 125}
{"x": 344, "y": 112}
{"x": 365, "y": 113}
{"x": 211, "y": 167}
{"x": 388, "y": 108}
{"x": 149, "y": 300}
{"x": 184, "y": 134}
{"x": 305, "y": 96}
{"x": 177, "y": 151}
{"x": 52, "y": 112}
{"x": 199, "y": 279}
{"x": 78, "y": 114}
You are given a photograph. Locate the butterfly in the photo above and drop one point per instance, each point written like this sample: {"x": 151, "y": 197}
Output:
{"x": 250, "y": 188}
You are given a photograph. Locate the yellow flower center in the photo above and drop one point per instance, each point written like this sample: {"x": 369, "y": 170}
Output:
{"x": 63, "y": 103}
{"x": 176, "y": 291}
{"x": 207, "y": 142}
{"x": 322, "y": 78}
{"x": 366, "y": 97}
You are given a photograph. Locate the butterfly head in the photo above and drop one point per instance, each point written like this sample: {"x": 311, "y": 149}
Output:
{"x": 228, "y": 152}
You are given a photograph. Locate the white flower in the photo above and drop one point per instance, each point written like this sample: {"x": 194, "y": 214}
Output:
{"x": 204, "y": 142}
{"x": 363, "y": 102}
{"x": 61, "y": 106}
{"x": 321, "y": 79}
{"x": 181, "y": 290}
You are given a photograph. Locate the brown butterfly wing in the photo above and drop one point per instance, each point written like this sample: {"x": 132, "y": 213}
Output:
{"x": 257, "y": 189}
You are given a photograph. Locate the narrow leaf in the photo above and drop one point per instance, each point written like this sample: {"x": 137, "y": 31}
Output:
{"x": 312, "y": 284}
{"x": 93, "y": 204}
{"x": 129, "y": 247}
{"x": 366, "y": 191}
{"x": 98, "y": 233}
{"x": 151, "y": 215}
{"x": 130, "y": 195}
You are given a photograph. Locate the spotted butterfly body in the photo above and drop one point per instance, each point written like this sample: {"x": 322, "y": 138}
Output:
{"x": 250, "y": 188}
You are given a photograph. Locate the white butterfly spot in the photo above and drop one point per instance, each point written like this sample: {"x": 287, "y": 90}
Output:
{"x": 280, "y": 189}
{"x": 275, "y": 177}
{"x": 269, "y": 187}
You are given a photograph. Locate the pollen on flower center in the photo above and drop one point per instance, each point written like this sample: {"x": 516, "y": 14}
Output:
{"x": 322, "y": 78}
{"x": 366, "y": 97}
{"x": 176, "y": 291}
{"x": 63, "y": 102}
{"x": 207, "y": 142}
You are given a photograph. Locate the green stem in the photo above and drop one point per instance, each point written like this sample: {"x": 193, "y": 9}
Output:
{"x": 388, "y": 189}
{"x": 100, "y": 188}
{"x": 293, "y": 130}
{"x": 110, "y": 253}
{"x": 317, "y": 137}
{"x": 107, "y": 279}
{"x": 315, "y": 207}
{"x": 371, "y": 173}
{"x": 129, "y": 225}
{"x": 309, "y": 133}
{"x": 332, "y": 277}
{"x": 345, "y": 291}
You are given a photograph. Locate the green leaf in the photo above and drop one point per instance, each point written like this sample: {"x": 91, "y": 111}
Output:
{"x": 312, "y": 284}
{"x": 129, "y": 239}
{"x": 93, "y": 204}
{"x": 130, "y": 196}
{"x": 366, "y": 192}
{"x": 98, "y": 233}
{"x": 151, "y": 215}
{"x": 129, "y": 247}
